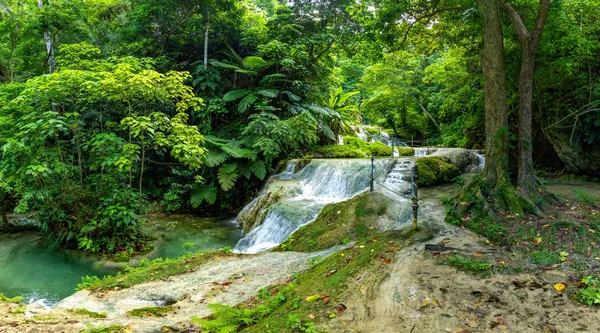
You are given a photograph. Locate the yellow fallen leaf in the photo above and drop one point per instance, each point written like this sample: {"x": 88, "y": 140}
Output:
{"x": 564, "y": 254}
{"x": 559, "y": 287}
{"x": 312, "y": 298}
{"x": 537, "y": 240}
{"x": 339, "y": 211}
{"x": 312, "y": 316}
{"x": 436, "y": 303}
{"x": 425, "y": 302}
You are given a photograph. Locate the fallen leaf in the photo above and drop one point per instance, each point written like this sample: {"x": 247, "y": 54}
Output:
{"x": 312, "y": 298}
{"x": 436, "y": 303}
{"x": 387, "y": 261}
{"x": 477, "y": 254}
{"x": 340, "y": 308}
{"x": 312, "y": 316}
{"x": 559, "y": 287}
{"x": 330, "y": 273}
{"x": 537, "y": 240}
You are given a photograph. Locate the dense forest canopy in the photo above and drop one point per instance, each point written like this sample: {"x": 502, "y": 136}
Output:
{"x": 109, "y": 108}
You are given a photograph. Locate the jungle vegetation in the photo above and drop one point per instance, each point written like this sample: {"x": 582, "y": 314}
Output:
{"x": 112, "y": 108}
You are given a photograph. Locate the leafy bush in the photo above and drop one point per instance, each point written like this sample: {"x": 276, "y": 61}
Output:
{"x": 590, "y": 293}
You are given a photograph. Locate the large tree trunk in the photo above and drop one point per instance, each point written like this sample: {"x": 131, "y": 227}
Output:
{"x": 49, "y": 44}
{"x": 529, "y": 41}
{"x": 494, "y": 76}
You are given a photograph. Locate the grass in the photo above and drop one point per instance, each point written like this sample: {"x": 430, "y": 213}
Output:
{"x": 152, "y": 270}
{"x": 5, "y": 299}
{"x": 91, "y": 314}
{"x": 104, "y": 329}
{"x": 339, "y": 223}
{"x": 470, "y": 266}
{"x": 151, "y": 311}
{"x": 316, "y": 295}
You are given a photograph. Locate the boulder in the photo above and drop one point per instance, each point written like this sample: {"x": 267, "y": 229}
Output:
{"x": 465, "y": 160}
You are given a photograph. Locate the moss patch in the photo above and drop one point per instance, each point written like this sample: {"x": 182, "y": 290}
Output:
{"x": 152, "y": 270}
{"x": 435, "y": 171}
{"x": 339, "y": 223}
{"x": 85, "y": 312}
{"x": 5, "y": 299}
{"x": 337, "y": 151}
{"x": 406, "y": 151}
{"x": 151, "y": 311}
{"x": 315, "y": 296}
{"x": 104, "y": 329}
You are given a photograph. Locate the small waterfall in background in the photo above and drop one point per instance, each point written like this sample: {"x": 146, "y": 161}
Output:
{"x": 419, "y": 152}
{"x": 319, "y": 183}
{"x": 481, "y": 158}
{"x": 399, "y": 178}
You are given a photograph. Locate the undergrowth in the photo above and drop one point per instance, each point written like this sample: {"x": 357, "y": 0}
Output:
{"x": 151, "y": 311}
{"x": 85, "y": 312}
{"x": 471, "y": 266}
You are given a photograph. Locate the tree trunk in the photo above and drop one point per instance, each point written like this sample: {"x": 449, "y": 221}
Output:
{"x": 142, "y": 173}
{"x": 526, "y": 177}
{"x": 206, "y": 26}
{"x": 49, "y": 44}
{"x": 494, "y": 76}
{"x": 529, "y": 41}
{"x": 3, "y": 208}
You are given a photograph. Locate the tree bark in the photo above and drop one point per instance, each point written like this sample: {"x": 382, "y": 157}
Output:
{"x": 529, "y": 41}
{"x": 494, "y": 76}
{"x": 3, "y": 208}
{"x": 206, "y": 26}
{"x": 49, "y": 44}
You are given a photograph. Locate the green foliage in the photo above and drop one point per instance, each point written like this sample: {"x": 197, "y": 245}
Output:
{"x": 405, "y": 151}
{"x": 471, "y": 266}
{"x": 339, "y": 152}
{"x": 590, "y": 290}
{"x": 90, "y": 328}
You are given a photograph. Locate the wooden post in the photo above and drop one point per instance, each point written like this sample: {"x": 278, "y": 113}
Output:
{"x": 372, "y": 172}
{"x": 415, "y": 195}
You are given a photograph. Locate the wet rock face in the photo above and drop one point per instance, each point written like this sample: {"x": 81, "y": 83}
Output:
{"x": 465, "y": 160}
{"x": 577, "y": 155}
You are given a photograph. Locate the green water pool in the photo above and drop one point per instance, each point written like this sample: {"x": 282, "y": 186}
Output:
{"x": 30, "y": 268}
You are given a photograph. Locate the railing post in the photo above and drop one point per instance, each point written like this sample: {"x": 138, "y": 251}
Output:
{"x": 415, "y": 195}
{"x": 372, "y": 172}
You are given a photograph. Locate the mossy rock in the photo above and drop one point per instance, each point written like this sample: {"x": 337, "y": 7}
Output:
{"x": 379, "y": 149}
{"x": 435, "y": 171}
{"x": 406, "y": 151}
{"x": 340, "y": 223}
{"x": 345, "y": 151}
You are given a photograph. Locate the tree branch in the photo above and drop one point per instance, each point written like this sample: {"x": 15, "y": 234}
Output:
{"x": 517, "y": 22}
{"x": 541, "y": 21}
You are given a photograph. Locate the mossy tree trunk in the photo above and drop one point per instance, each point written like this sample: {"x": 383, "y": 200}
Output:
{"x": 494, "y": 76}
{"x": 529, "y": 41}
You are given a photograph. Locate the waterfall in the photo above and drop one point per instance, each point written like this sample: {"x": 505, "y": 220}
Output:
{"x": 481, "y": 158}
{"x": 306, "y": 193}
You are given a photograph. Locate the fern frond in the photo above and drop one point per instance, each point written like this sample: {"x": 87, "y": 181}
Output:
{"x": 228, "y": 179}
{"x": 271, "y": 93}
{"x": 215, "y": 157}
{"x": 246, "y": 103}
{"x": 208, "y": 193}
{"x": 254, "y": 62}
{"x": 235, "y": 94}
{"x": 259, "y": 169}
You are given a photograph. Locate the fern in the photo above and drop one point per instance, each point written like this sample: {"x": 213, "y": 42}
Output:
{"x": 258, "y": 169}
{"x": 254, "y": 62}
{"x": 271, "y": 93}
{"x": 227, "y": 179}
{"x": 214, "y": 158}
{"x": 246, "y": 103}
{"x": 235, "y": 94}
{"x": 208, "y": 193}
{"x": 226, "y": 319}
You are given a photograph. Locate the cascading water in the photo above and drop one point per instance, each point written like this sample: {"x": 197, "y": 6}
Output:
{"x": 481, "y": 158}
{"x": 317, "y": 184}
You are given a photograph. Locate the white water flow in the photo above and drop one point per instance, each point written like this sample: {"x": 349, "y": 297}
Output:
{"x": 481, "y": 158}
{"x": 319, "y": 183}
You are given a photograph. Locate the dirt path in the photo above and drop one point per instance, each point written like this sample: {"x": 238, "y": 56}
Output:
{"x": 421, "y": 296}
